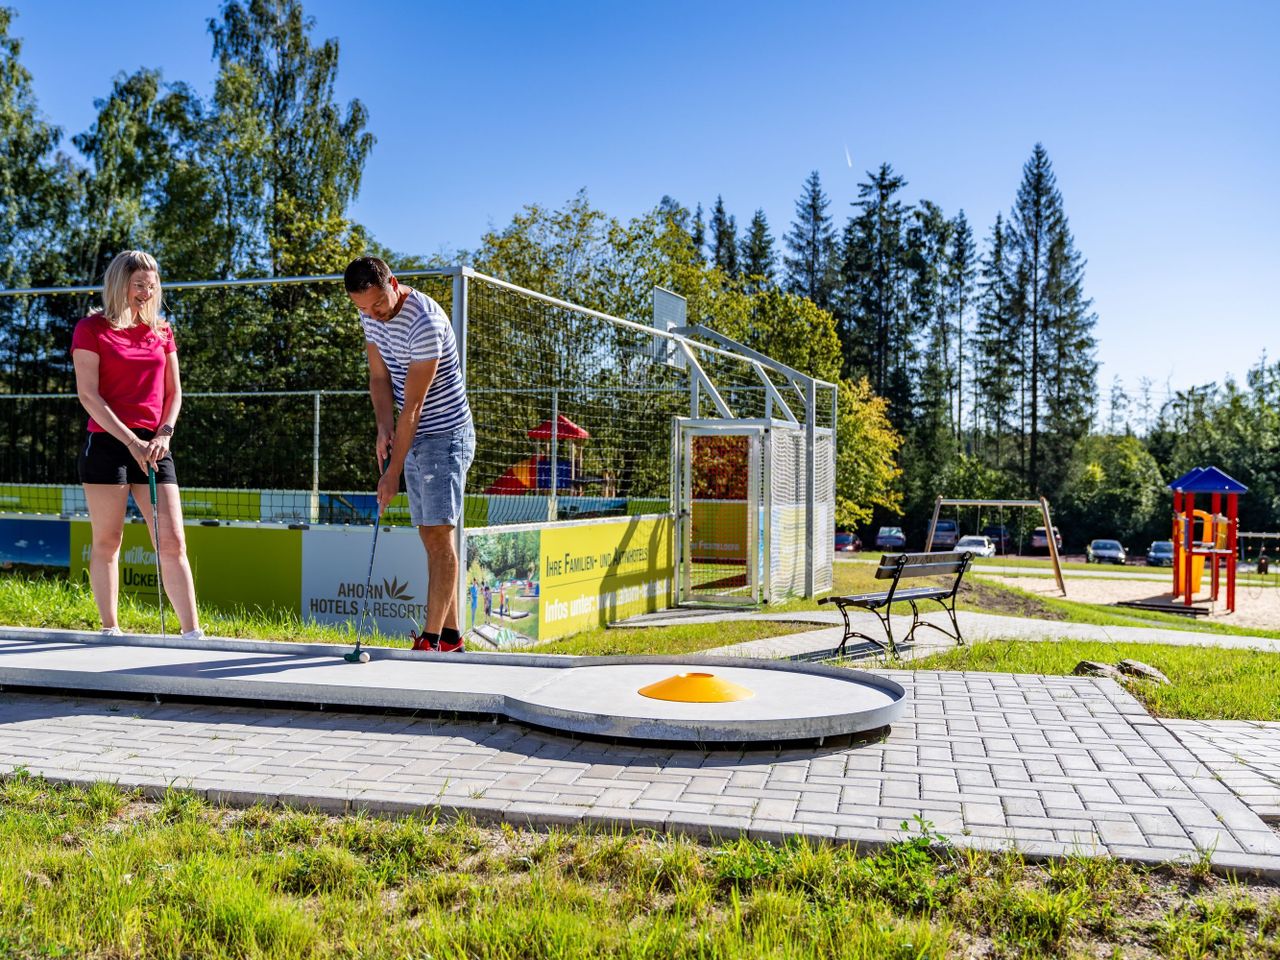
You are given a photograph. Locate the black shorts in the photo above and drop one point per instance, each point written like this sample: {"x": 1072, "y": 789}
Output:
{"x": 104, "y": 459}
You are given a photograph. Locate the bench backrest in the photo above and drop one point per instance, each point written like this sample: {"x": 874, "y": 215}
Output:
{"x": 902, "y": 566}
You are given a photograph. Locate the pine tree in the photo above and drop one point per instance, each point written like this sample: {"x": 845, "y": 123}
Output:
{"x": 811, "y": 242}
{"x": 1056, "y": 323}
{"x": 997, "y": 358}
{"x": 1036, "y": 214}
{"x": 724, "y": 240}
{"x": 875, "y": 323}
{"x": 928, "y": 237}
{"x": 961, "y": 268}
{"x": 757, "y": 256}
{"x": 698, "y": 234}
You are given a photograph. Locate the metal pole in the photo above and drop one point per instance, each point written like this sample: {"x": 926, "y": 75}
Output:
{"x": 810, "y": 488}
{"x": 460, "y": 531}
{"x": 314, "y": 511}
{"x": 553, "y": 508}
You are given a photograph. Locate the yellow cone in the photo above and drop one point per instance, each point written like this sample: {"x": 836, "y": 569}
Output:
{"x": 696, "y": 688}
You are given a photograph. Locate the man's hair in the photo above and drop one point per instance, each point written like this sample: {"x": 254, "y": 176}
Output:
{"x": 365, "y": 272}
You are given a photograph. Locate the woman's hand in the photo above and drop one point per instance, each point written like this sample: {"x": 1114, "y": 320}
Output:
{"x": 138, "y": 449}
{"x": 157, "y": 449}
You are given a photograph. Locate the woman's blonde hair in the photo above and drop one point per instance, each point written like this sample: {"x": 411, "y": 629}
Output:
{"x": 115, "y": 290}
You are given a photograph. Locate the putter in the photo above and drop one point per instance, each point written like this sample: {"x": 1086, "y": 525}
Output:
{"x": 358, "y": 655}
{"x": 155, "y": 525}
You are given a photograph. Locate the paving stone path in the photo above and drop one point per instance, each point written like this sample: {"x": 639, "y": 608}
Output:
{"x": 1244, "y": 754}
{"x": 1050, "y": 765}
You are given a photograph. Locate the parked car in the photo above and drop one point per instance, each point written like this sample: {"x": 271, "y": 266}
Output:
{"x": 847, "y": 542}
{"x": 891, "y": 538}
{"x": 945, "y": 534}
{"x": 1104, "y": 551}
{"x": 980, "y": 546}
{"x": 1160, "y": 554}
{"x": 1040, "y": 542}
{"x": 999, "y": 535}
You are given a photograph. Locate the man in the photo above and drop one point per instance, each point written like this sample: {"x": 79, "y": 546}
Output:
{"x": 413, "y": 365}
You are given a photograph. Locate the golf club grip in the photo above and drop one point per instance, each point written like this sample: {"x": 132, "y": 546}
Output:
{"x": 151, "y": 482}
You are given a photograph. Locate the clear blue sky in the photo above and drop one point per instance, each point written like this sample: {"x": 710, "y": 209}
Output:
{"x": 1160, "y": 119}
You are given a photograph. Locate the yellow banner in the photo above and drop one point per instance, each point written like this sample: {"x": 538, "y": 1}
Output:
{"x": 596, "y": 573}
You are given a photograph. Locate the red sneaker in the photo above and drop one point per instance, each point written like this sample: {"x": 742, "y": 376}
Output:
{"x": 421, "y": 642}
{"x": 458, "y": 647}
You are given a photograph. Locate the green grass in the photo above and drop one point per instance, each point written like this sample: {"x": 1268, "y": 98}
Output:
{"x": 1207, "y": 683}
{"x": 100, "y": 873}
{"x": 686, "y": 638}
{"x": 58, "y": 604}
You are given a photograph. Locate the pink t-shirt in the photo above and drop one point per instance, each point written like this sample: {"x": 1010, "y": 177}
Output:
{"x": 131, "y": 368}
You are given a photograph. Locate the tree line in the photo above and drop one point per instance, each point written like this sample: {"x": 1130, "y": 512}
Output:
{"x": 965, "y": 367}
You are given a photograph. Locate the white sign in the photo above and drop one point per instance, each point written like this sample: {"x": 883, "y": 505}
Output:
{"x": 336, "y": 587}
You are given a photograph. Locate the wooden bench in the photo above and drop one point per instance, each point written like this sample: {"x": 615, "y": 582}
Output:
{"x": 905, "y": 566}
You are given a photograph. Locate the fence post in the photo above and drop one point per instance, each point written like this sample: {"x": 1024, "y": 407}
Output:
{"x": 810, "y": 485}
{"x": 459, "y": 312}
{"x": 313, "y": 512}
{"x": 553, "y": 507}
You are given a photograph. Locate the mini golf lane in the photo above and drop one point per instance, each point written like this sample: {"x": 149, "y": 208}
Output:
{"x": 596, "y": 696}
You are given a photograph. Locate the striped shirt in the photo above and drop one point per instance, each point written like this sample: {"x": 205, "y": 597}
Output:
{"x": 421, "y": 331}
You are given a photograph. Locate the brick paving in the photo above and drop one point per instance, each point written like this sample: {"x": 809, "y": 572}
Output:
{"x": 1243, "y": 754}
{"x": 1049, "y": 765}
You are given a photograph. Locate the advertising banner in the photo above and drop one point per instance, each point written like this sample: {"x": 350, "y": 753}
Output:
{"x": 335, "y": 565}
{"x": 232, "y": 566}
{"x": 595, "y": 573}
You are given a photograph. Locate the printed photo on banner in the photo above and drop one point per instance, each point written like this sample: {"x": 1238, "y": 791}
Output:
{"x": 501, "y": 597}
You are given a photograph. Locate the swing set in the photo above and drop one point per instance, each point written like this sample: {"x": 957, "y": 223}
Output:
{"x": 1041, "y": 505}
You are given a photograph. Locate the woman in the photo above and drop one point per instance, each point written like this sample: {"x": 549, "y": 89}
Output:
{"x": 126, "y": 365}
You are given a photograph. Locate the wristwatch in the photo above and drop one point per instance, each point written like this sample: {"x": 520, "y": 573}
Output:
{"x": 165, "y": 431}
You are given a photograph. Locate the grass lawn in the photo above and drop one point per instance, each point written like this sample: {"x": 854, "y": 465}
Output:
{"x": 99, "y": 872}
{"x": 1207, "y": 683}
{"x": 58, "y": 604}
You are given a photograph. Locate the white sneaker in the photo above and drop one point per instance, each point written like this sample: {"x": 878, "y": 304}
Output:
{"x": 111, "y": 632}
{"x": 196, "y": 634}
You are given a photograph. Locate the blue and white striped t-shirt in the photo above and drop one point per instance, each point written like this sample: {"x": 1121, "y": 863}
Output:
{"x": 421, "y": 331}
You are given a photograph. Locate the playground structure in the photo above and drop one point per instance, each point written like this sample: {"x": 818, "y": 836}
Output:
{"x": 1042, "y": 505}
{"x": 1218, "y": 534}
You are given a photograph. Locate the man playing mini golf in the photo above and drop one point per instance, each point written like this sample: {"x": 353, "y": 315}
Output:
{"x": 413, "y": 366}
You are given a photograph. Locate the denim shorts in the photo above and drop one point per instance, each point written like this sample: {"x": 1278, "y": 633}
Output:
{"x": 435, "y": 474}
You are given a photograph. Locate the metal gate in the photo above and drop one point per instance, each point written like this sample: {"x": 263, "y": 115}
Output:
{"x": 720, "y": 496}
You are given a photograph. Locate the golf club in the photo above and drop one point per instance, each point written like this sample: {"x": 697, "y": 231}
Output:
{"x": 155, "y": 527}
{"x": 358, "y": 655}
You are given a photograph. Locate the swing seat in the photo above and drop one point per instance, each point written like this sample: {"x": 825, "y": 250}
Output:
{"x": 906, "y": 566}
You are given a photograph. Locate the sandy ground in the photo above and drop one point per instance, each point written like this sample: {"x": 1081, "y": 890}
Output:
{"x": 1255, "y": 606}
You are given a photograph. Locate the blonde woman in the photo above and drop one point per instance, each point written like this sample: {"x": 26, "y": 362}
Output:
{"x": 126, "y": 365}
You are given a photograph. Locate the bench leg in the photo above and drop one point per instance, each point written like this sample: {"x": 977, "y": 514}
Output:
{"x": 850, "y": 633}
{"x": 950, "y": 611}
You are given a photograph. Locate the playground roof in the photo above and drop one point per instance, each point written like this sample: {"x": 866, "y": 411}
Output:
{"x": 1207, "y": 480}
{"x": 566, "y": 429}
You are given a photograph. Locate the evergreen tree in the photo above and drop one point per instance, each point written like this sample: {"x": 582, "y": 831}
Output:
{"x": 811, "y": 241}
{"x": 997, "y": 357}
{"x": 1056, "y": 324}
{"x": 932, "y": 437}
{"x": 698, "y": 234}
{"x": 1034, "y": 221}
{"x": 961, "y": 269}
{"x": 724, "y": 240}
{"x": 875, "y": 322}
{"x": 1071, "y": 364}
{"x": 757, "y": 256}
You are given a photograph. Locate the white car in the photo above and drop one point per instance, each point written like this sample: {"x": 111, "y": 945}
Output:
{"x": 978, "y": 546}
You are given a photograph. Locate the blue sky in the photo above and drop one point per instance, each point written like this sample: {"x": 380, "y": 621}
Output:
{"x": 1160, "y": 119}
